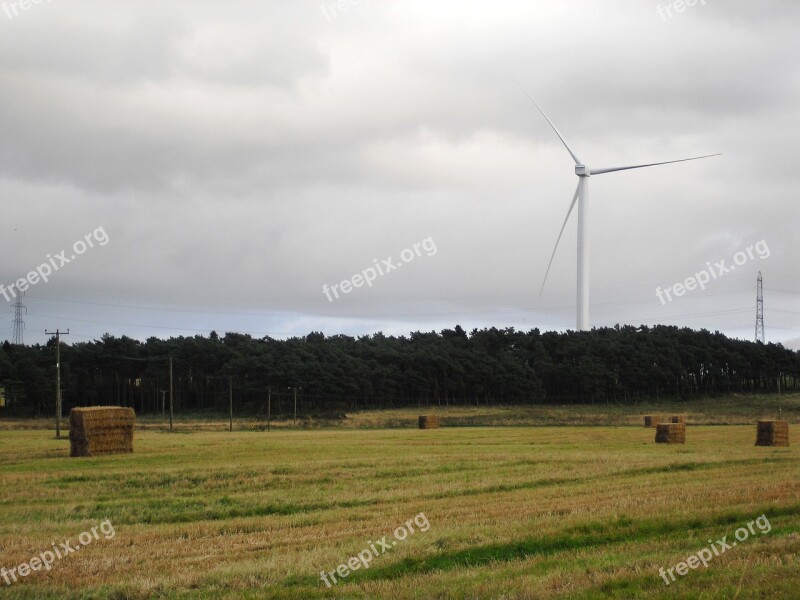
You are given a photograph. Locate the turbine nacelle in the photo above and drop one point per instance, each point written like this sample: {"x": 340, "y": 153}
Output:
{"x": 582, "y": 171}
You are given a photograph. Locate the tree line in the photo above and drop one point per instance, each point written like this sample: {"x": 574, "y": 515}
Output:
{"x": 337, "y": 373}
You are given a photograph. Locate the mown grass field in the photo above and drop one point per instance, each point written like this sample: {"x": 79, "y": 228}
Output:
{"x": 514, "y": 512}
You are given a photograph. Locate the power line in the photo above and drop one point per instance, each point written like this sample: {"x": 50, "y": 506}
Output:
{"x": 450, "y": 313}
{"x": 166, "y": 328}
{"x": 659, "y": 319}
{"x": 257, "y": 312}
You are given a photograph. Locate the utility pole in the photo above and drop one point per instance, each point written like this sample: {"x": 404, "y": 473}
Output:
{"x": 58, "y": 335}
{"x": 760, "y": 309}
{"x": 295, "y": 403}
{"x": 19, "y": 324}
{"x": 170, "y": 393}
{"x": 230, "y": 401}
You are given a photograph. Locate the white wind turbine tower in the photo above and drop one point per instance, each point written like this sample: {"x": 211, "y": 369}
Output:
{"x": 581, "y": 197}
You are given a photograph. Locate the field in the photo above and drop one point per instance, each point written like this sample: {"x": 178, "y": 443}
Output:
{"x": 572, "y": 511}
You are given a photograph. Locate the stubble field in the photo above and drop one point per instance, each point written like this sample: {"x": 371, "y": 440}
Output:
{"x": 509, "y": 512}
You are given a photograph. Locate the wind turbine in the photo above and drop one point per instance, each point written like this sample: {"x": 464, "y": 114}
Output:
{"x": 581, "y": 196}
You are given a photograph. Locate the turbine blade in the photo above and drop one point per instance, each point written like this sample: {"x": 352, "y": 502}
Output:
{"x": 669, "y": 162}
{"x": 558, "y": 133}
{"x": 569, "y": 212}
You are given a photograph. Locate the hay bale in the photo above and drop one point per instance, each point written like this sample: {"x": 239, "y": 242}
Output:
{"x": 652, "y": 420}
{"x": 428, "y": 422}
{"x": 772, "y": 433}
{"x": 101, "y": 430}
{"x": 671, "y": 433}
{"x": 678, "y": 419}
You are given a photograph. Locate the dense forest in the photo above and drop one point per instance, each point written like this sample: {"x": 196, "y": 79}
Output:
{"x": 338, "y": 373}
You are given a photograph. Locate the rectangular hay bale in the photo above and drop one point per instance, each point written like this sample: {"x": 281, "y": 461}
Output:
{"x": 428, "y": 422}
{"x": 671, "y": 433}
{"x": 98, "y": 430}
{"x": 678, "y": 419}
{"x": 772, "y": 433}
{"x": 652, "y": 420}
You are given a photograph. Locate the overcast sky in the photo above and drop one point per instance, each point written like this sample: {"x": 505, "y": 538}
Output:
{"x": 240, "y": 156}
